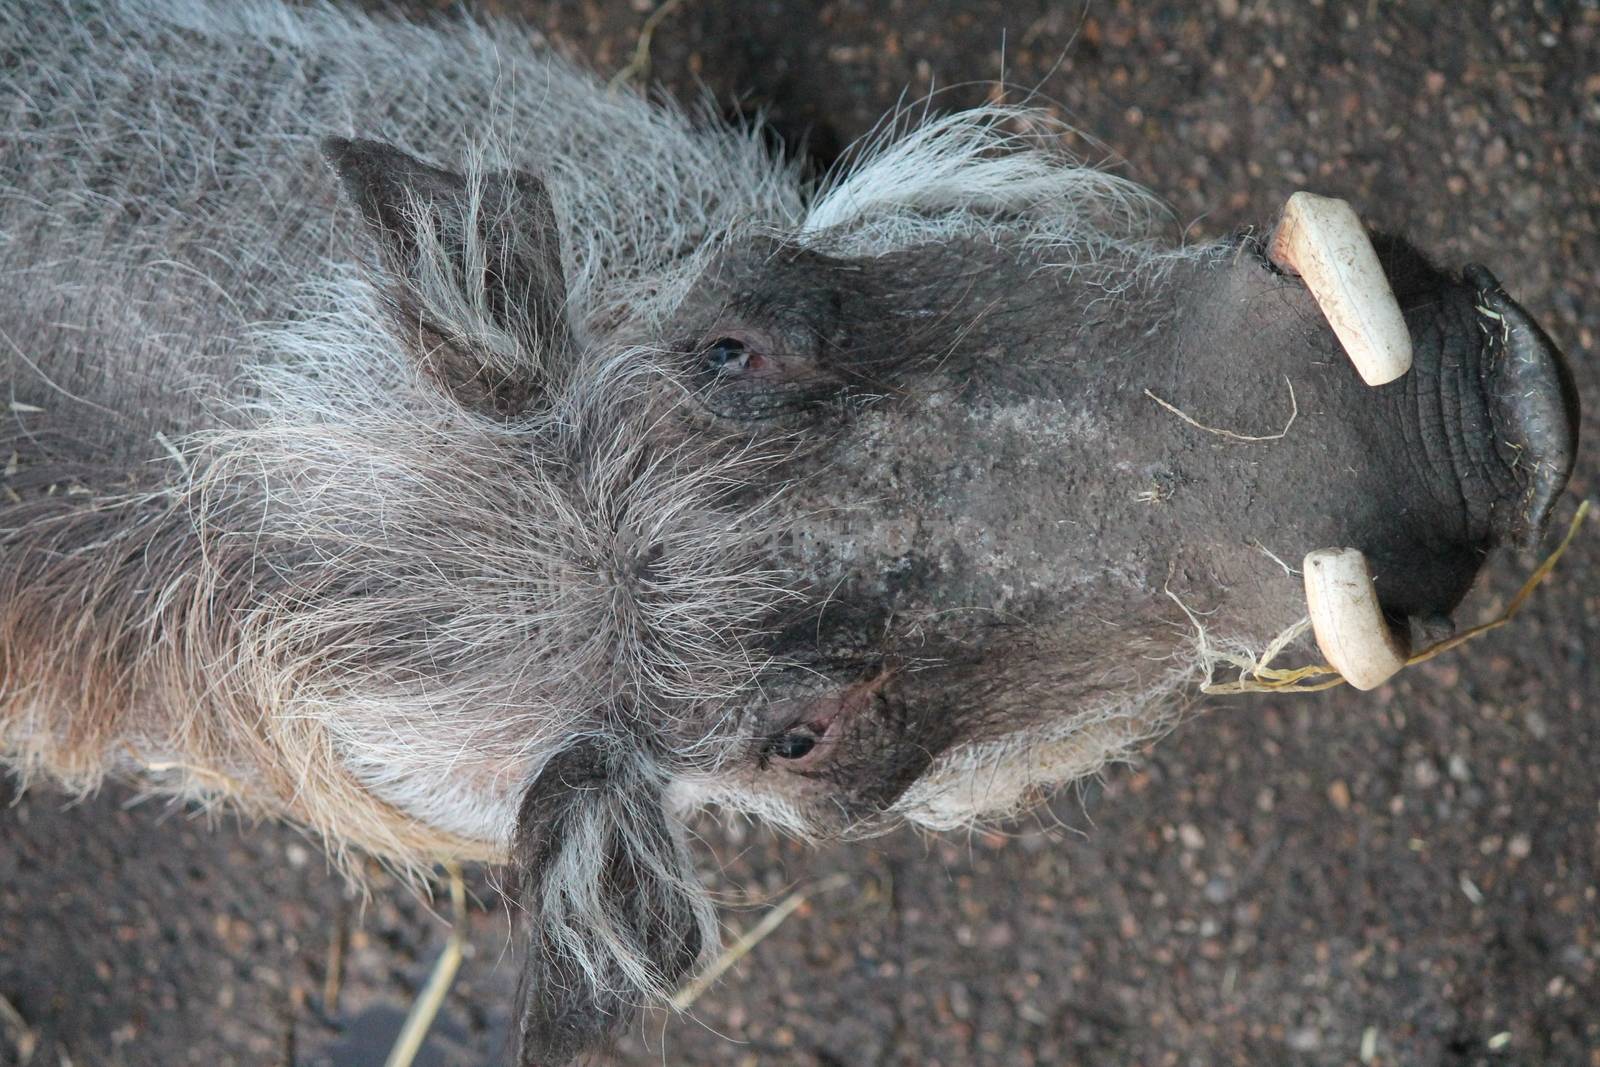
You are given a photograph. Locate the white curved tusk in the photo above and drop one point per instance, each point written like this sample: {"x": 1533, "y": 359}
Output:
{"x": 1322, "y": 240}
{"x": 1346, "y": 619}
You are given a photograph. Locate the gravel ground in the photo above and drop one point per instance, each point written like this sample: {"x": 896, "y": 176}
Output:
{"x": 1405, "y": 877}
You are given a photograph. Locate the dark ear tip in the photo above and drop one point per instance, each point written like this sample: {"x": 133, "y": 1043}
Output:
{"x": 348, "y": 155}
{"x": 382, "y": 172}
{"x": 336, "y": 150}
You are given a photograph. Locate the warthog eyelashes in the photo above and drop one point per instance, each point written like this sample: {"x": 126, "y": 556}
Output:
{"x": 729, "y": 356}
{"x": 805, "y": 745}
{"x": 760, "y": 374}
{"x": 794, "y": 745}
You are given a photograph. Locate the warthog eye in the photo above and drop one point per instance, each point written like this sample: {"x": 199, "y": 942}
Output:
{"x": 729, "y": 355}
{"x": 794, "y": 745}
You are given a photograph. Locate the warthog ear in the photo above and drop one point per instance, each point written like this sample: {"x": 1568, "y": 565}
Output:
{"x": 476, "y": 263}
{"x": 612, "y": 911}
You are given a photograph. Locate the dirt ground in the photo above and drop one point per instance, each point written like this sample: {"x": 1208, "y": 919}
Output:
{"x": 1404, "y": 877}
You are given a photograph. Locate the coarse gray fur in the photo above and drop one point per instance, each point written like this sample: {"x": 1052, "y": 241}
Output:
{"x": 364, "y": 462}
{"x": 203, "y": 392}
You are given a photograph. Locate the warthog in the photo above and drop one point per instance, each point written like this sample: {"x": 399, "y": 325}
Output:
{"x": 411, "y": 438}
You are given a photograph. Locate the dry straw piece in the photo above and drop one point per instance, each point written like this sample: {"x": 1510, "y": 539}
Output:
{"x": 426, "y": 1007}
{"x": 742, "y": 945}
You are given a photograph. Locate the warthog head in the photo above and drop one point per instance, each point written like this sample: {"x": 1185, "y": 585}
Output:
{"x": 946, "y": 491}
